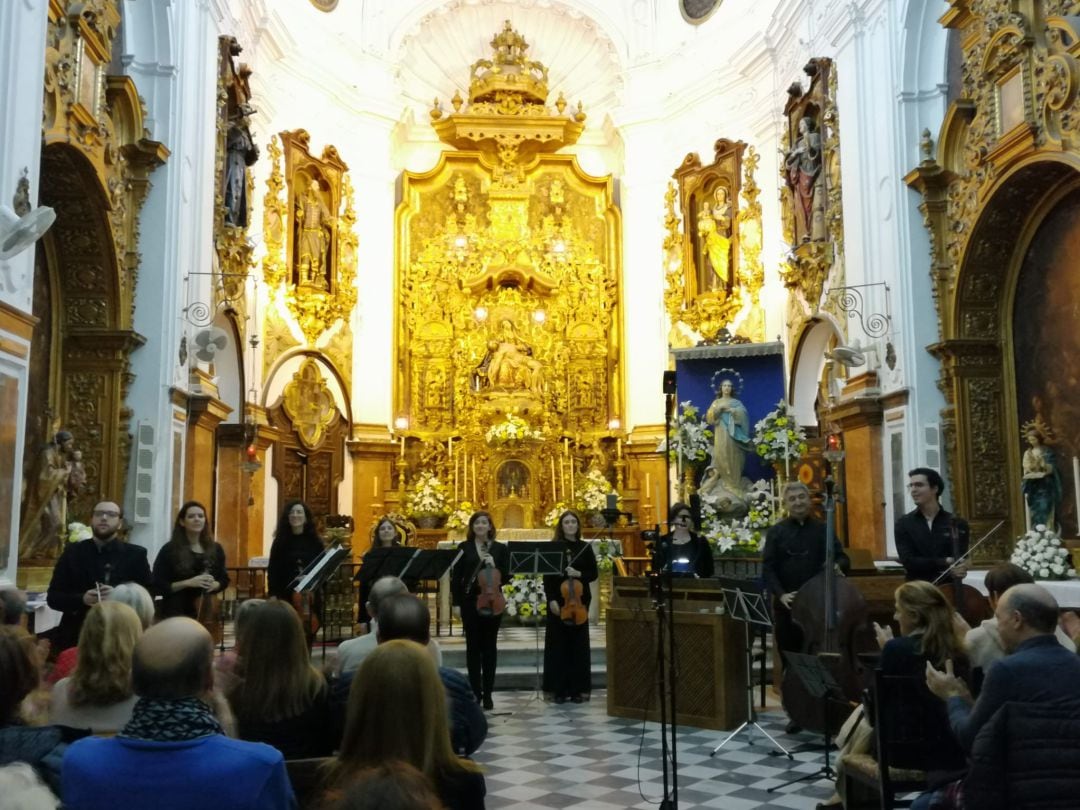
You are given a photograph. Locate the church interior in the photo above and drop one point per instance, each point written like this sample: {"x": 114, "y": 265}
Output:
{"x": 432, "y": 258}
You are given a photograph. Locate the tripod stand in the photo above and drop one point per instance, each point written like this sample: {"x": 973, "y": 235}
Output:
{"x": 745, "y": 603}
{"x": 819, "y": 683}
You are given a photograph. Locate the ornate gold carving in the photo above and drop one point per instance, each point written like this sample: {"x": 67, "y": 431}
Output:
{"x": 713, "y": 269}
{"x": 507, "y": 117}
{"x": 309, "y": 404}
{"x": 310, "y": 262}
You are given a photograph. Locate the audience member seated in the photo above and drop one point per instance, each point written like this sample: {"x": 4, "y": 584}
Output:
{"x": 225, "y": 665}
{"x": 279, "y": 697}
{"x": 350, "y": 654}
{"x": 12, "y": 606}
{"x": 1035, "y": 670}
{"x": 406, "y": 616}
{"x": 390, "y": 786}
{"x": 397, "y": 711}
{"x": 983, "y": 643}
{"x": 132, "y": 594}
{"x": 98, "y": 695}
{"x": 23, "y": 790}
{"x": 173, "y": 754}
{"x": 927, "y": 633}
{"x": 41, "y": 747}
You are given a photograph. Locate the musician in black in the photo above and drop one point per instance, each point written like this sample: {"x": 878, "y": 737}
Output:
{"x": 928, "y": 538}
{"x": 190, "y": 568}
{"x": 296, "y": 543}
{"x": 481, "y": 557}
{"x": 88, "y": 570}
{"x": 795, "y": 553}
{"x": 683, "y": 552}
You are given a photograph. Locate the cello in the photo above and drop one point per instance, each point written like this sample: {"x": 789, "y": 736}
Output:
{"x": 831, "y": 613}
{"x": 965, "y": 599}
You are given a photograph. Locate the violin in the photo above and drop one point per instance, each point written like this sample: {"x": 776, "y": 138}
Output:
{"x": 491, "y": 601}
{"x": 573, "y": 610}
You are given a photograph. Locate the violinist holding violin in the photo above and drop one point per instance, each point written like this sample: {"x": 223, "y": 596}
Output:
{"x": 567, "y": 660}
{"x": 928, "y": 538}
{"x": 476, "y": 587}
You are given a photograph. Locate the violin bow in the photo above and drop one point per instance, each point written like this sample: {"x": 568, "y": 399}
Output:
{"x": 964, "y": 556}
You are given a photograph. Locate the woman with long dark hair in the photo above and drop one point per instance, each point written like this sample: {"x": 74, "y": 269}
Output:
{"x": 683, "y": 552}
{"x": 480, "y": 557}
{"x": 190, "y": 568}
{"x": 296, "y": 543}
{"x": 567, "y": 660}
{"x": 391, "y": 530}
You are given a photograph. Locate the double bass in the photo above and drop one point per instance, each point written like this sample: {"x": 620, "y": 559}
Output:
{"x": 965, "y": 599}
{"x": 831, "y": 613}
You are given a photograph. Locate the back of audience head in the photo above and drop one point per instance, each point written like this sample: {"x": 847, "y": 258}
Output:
{"x": 107, "y": 641}
{"x": 12, "y": 606}
{"x": 392, "y": 785}
{"x": 19, "y": 673}
{"x": 137, "y": 598}
{"x": 383, "y": 589}
{"x": 23, "y": 790}
{"x": 1002, "y": 577}
{"x": 1023, "y": 612}
{"x": 397, "y": 710}
{"x": 173, "y": 660}
{"x": 277, "y": 679}
{"x": 244, "y": 612}
{"x": 404, "y": 616}
{"x": 923, "y": 607}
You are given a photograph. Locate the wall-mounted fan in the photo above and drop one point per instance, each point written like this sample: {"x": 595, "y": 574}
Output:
{"x": 19, "y": 232}
{"x": 209, "y": 342}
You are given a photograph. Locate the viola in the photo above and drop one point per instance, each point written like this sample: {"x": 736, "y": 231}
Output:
{"x": 491, "y": 601}
{"x": 573, "y": 610}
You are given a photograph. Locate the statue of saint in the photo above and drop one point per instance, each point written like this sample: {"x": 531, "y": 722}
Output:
{"x": 44, "y": 519}
{"x": 314, "y": 223}
{"x": 803, "y": 165}
{"x": 509, "y": 364}
{"x": 240, "y": 152}
{"x": 714, "y": 230}
{"x": 1041, "y": 480}
{"x": 731, "y": 438}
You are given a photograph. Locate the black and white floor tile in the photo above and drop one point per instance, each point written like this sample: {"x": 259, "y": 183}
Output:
{"x": 543, "y": 756}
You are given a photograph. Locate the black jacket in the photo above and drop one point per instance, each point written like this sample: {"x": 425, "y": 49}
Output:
{"x": 922, "y": 549}
{"x": 167, "y": 570}
{"x": 697, "y": 551}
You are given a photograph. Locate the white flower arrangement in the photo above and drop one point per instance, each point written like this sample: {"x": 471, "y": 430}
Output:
{"x": 744, "y": 535}
{"x": 1040, "y": 553}
{"x": 778, "y": 436}
{"x": 459, "y": 518}
{"x": 525, "y": 596}
{"x": 427, "y": 497}
{"x": 592, "y": 491}
{"x": 689, "y": 437}
{"x": 511, "y": 429}
{"x": 78, "y": 531}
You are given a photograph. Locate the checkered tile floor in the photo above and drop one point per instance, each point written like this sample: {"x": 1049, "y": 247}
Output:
{"x": 541, "y": 756}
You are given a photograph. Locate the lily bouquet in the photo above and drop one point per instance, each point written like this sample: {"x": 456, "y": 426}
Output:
{"x": 1040, "y": 553}
{"x": 778, "y": 436}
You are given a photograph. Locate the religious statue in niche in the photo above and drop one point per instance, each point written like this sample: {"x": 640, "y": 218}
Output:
{"x": 58, "y": 476}
{"x": 512, "y": 480}
{"x": 1041, "y": 480}
{"x": 240, "y": 153}
{"x": 723, "y": 484}
{"x": 236, "y": 147}
{"x": 802, "y": 164}
{"x": 314, "y": 236}
{"x": 714, "y": 233}
{"x": 509, "y": 364}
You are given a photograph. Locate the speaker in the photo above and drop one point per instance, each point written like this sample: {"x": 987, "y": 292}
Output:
{"x": 669, "y": 382}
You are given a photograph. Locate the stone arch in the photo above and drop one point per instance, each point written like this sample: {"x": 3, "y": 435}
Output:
{"x": 807, "y": 366}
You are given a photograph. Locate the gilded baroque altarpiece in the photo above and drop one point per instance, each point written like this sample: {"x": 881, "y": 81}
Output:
{"x": 1009, "y": 148}
{"x": 508, "y": 270}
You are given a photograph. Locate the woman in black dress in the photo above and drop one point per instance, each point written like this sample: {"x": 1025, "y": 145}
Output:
{"x": 391, "y": 530}
{"x": 296, "y": 543}
{"x": 190, "y": 568}
{"x": 683, "y": 552}
{"x": 480, "y": 557}
{"x": 567, "y": 660}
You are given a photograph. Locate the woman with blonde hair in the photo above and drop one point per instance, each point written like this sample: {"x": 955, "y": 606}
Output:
{"x": 397, "y": 711}
{"x": 279, "y": 698}
{"x": 99, "y": 694}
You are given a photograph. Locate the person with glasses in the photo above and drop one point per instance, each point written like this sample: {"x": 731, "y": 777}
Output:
{"x": 88, "y": 570}
{"x": 682, "y": 552}
{"x": 928, "y": 538}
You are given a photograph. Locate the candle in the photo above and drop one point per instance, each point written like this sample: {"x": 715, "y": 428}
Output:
{"x": 455, "y": 480}
{"x": 474, "y": 480}
{"x": 648, "y": 482}
{"x": 554, "y": 492}
{"x": 618, "y": 449}
{"x": 375, "y": 488}
{"x": 572, "y": 489}
{"x": 562, "y": 475}
{"x": 403, "y": 447}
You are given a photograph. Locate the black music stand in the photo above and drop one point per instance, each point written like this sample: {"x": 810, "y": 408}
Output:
{"x": 744, "y": 602}
{"x": 314, "y": 577}
{"x": 385, "y": 561}
{"x": 819, "y": 683}
{"x": 536, "y": 558}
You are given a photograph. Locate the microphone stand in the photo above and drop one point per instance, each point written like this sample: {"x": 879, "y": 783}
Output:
{"x": 663, "y": 604}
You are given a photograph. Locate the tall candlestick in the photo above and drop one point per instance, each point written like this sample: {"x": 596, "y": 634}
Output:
{"x": 572, "y": 488}
{"x": 618, "y": 449}
{"x": 648, "y": 484}
{"x": 403, "y": 447}
{"x": 562, "y": 476}
{"x": 375, "y": 488}
{"x": 554, "y": 492}
{"x": 474, "y": 480}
